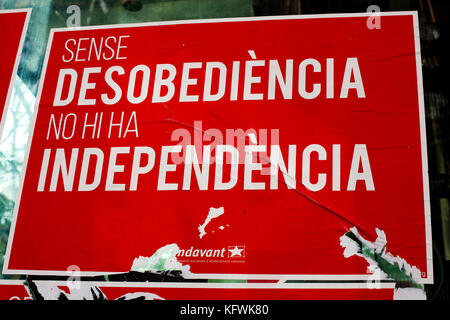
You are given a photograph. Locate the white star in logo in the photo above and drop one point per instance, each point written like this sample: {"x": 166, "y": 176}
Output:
{"x": 235, "y": 251}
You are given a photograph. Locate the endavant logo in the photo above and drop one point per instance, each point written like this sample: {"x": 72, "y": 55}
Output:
{"x": 236, "y": 251}
{"x": 228, "y": 252}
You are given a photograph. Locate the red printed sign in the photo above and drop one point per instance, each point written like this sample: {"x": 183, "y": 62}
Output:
{"x": 13, "y": 290}
{"x": 13, "y": 26}
{"x": 52, "y": 290}
{"x": 249, "y": 146}
{"x": 245, "y": 293}
{"x": 211, "y": 291}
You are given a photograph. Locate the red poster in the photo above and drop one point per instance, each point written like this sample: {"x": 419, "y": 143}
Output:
{"x": 227, "y": 293}
{"x": 245, "y": 148}
{"x": 247, "y": 293}
{"x": 13, "y": 290}
{"x": 13, "y": 26}
{"x": 52, "y": 290}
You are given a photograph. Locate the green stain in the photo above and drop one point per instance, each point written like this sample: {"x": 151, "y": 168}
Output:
{"x": 226, "y": 281}
{"x": 393, "y": 271}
